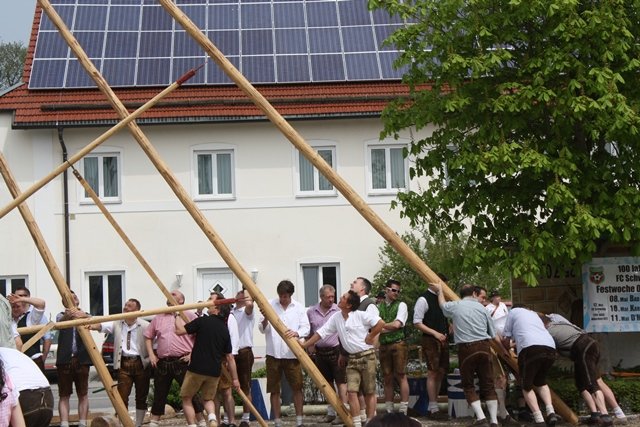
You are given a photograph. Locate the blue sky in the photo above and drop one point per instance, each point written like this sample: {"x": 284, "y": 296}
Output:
{"x": 16, "y": 19}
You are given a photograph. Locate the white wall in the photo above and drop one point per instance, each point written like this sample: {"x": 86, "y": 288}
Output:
{"x": 266, "y": 227}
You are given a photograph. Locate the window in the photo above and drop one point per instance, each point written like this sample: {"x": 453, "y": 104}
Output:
{"x": 214, "y": 178}
{"x": 387, "y": 168}
{"x": 102, "y": 172}
{"x": 310, "y": 181}
{"x": 315, "y": 276}
{"x": 106, "y": 293}
{"x": 8, "y": 284}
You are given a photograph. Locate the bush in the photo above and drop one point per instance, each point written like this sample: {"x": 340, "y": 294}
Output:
{"x": 626, "y": 390}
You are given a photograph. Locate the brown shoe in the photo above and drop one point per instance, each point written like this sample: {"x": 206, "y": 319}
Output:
{"x": 507, "y": 421}
{"x": 480, "y": 423}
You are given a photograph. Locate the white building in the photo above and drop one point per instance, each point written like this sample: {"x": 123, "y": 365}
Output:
{"x": 275, "y": 213}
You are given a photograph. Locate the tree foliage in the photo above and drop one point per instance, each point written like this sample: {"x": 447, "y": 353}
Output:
{"x": 535, "y": 150}
{"x": 12, "y": 56}
{"x": 444, "y": 256}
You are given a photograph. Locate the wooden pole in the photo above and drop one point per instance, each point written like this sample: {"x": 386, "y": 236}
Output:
{"x": 65, "y": 324}
{"x": 155, "y": 277}
{"x": 195, "y": 213}
{"x": 95, "y": 143}
{"x": 36, "y": 337}
{"x": 338, "y": 182}
{"x": 65, "y": 292}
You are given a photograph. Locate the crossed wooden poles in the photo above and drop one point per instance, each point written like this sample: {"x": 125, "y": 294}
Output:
{"x": 290, "y": 133}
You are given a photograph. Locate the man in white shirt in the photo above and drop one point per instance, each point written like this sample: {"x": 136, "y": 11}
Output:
{"x": 245, "y": 318}
{"x": 357, "y": 330}
{"x": 536, "y": 354}
{"x": 280, "y": 358}
{"x": 130, "y": 357}
{"x": 35, "y": 398}
{"x": 29, "y": 311}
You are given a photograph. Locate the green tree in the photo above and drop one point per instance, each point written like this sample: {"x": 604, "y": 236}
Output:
{"x": 535, "y": 151}
{"x": 12, "y": 56}
{"x": 444, "y": 256}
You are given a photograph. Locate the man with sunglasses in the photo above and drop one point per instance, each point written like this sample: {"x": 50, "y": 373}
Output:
{"x": 393, "y": 347}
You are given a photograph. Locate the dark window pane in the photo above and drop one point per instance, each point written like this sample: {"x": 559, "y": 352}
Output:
{"x": 354, "y": 12}
{"x": 228, "y": 42}
{"x": 288, "y": 15}
{"x": 182, "y": 65}
{"x": 185, "y": 45}
{"x": 215, "y": 75}
{"x": 330, "y": 276}
{"x": 358, "y": 39}
{"x": 198, "y": 14}
{"x": 223, "y": 17}
{"x": 258, "y": 42}
{"x": 47, "y": 74}
{"x": 96, "y": 303}
{"x": 124, "y": 18}
{"x": 293, "y": 68}
{"x": 258, "y": 69}
{"x": 121, "y": 45}
{"x": 382, "y": 33}
{"x": 92, "y": 43}
{"x": 115, "y": 293}
{"x": 311, "y": 284}
{"x": 77, "y": 76}
{"x": 386, "y": 64}
{"x": 155, "y": 18}
{"x": 291, "y": 41}
{"x": 90, "y": 18}
{"x": 322, "y": 14}
{"x": 155, "y": 44}
{"x": 327, "y": 68}
{"x": 255, "y": 16}
{"x": 66, "y": 14}
{"x": 3, "y": 287}
{"x": 154, "y": 72}
{"x": 324, "y": 40}
{"x": 51, "y": 45}
{"x": 119, "y": 72}
{"x": 362, "y": 66}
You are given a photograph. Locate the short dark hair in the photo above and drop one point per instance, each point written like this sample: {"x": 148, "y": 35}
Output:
{"x": 391, "y": 282}
{"x": 467, "y": 291}
{"x": 23, "y": 288}
{"x": 353, "y": 300}
{"x": 478, "y": 290}
{"x": 367, "y": 284}
{"x": 224, "y": 309}
{"x": 443, "y": 277}
{"x": 285, "y": 287}
{"x": 136, "y": 302}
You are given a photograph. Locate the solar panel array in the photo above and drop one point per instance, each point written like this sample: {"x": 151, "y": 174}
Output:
{"x": 136, "y": 43}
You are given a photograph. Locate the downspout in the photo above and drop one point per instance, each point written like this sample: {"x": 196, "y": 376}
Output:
{"x": 65, "y": 190}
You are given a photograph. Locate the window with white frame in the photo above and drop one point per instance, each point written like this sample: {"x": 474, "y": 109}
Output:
{"x": 387, "y": 168}
{"x": 106, "y": 293}
{"x": 310, "y": 181}
{"x": 102, "y": 171}
{"x": 314, "y": 276}
{"x": 8, "y": 284}
{"x": 214, "y": 174}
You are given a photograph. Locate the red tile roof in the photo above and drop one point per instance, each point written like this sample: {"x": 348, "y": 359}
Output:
{"x": 187, "y": 104}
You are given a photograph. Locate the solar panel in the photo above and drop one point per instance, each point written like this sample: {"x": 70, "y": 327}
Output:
{"x": 136, "y": 43}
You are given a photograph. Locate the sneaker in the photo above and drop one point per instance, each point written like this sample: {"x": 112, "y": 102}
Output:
{"x": 480, "y": 423}
{"x": 552, "y": 419}
{"x": 327, "y": 419}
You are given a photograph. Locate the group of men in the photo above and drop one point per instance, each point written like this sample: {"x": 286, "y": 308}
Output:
{"x": 211, "y": 353}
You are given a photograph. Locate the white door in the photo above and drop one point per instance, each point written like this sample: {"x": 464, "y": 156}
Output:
{"x": 216, "y": 280}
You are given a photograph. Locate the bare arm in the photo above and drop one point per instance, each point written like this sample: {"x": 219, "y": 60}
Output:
{"x": 148, "y": 342}
{"x": 46, "y": 346}
{"x": 248, "y": 304}
{"x": 180, "y": 330}
{"x": 231, "y": 364}
{"x": 311, "y": 341}
{"x": 374, "y": 332}
{"x": 17, "y": 419}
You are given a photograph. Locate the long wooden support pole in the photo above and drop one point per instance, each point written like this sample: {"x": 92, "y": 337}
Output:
{"x": 65, "y": 324}
{"x": 195, "y": 213}
{"x": 95, "y": 143}
{"x": 152, "y": 274}
{"x": 338, "y": 182}
{"x": 65, "y": 292}
{"x": 36, "y": 337}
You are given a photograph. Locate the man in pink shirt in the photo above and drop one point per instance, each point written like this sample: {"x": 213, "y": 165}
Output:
{"x": 170, "y": 359}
